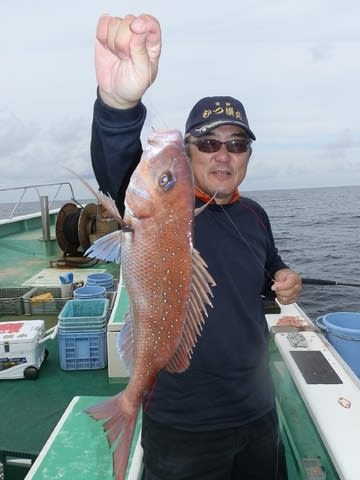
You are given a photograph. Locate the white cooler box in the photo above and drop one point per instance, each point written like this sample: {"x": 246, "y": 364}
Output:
{"x": 22, "y": 349}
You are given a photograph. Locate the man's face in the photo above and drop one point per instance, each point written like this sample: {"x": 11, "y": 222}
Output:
{"x": 220, "y": 171}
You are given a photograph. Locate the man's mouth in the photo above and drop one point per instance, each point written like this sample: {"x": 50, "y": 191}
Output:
{"x": 221, "y": 173}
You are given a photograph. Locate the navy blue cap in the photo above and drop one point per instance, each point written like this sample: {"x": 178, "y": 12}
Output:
{"x": 212, "y": 112}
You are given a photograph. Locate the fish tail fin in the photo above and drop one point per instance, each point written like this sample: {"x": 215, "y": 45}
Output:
{"x": 119, "y": 417}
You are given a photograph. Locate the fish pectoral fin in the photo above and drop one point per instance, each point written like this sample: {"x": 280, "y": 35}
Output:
{"x": 106, "y": 248}
{"x": 200, "y": 298}
{"x": 125, "y": 342}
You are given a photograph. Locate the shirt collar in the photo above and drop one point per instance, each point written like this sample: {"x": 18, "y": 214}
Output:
{"x": 205, "y": 197}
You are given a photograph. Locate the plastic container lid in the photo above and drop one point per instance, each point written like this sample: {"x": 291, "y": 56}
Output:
{"x": 100, "y": 278}
{"x": 90, "y": 291}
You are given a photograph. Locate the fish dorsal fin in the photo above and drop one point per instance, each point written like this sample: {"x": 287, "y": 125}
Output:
{"x": 125, "y": 343}
{"x": 106, "y": 201}
{"x": 106, "y": 248}
{"x": 200, "y": 298}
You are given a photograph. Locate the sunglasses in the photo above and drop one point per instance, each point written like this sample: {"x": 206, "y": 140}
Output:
{"x": 210, "y": 145}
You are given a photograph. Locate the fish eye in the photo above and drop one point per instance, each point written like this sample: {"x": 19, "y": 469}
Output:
{"x": 166, "y": 180}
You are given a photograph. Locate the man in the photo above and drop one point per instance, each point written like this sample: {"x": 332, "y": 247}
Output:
{"x": 217, "y": 420}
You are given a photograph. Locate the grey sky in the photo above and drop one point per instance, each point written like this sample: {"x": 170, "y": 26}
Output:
{"x": 294, "y": 64}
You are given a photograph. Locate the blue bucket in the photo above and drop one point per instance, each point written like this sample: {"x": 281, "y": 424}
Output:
{"x": 343, "y": 332}
{"x": 87, "y": 292}
{"x": 101, "y": 279}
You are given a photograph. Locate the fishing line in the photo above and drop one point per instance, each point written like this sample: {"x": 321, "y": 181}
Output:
{"x": 251, "y": 250}
{"x": 246, "y": 243}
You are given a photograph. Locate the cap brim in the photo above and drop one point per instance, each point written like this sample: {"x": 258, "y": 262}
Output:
{"x": 204, "y": 129}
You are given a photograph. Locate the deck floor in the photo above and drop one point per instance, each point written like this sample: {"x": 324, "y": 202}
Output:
{"x": 24, "y": 255}
{"x": 34, "y": 407}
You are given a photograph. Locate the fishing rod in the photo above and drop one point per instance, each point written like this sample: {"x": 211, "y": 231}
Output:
{"x": 318, "y": 281}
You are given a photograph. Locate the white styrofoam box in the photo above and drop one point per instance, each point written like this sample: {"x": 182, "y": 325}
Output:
{"x": 116, "y": 368}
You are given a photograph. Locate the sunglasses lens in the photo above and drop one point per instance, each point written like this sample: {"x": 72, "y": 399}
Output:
{"x": 208, "y": 145}
{"x": 237, "y": 146}
{"x": 233, "y": 146}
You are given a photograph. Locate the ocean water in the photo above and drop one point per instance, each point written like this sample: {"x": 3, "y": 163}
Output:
{"x": 10, "y": 210}
{"x": 317, "y": 232}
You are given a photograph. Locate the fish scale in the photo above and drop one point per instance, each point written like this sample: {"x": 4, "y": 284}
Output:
{"x": 167, "y": 282}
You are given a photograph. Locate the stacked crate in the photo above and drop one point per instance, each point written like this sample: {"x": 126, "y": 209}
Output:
{"x": 82, "y": 334}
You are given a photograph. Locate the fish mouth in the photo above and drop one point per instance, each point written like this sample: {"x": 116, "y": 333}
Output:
{"x": 137, "y": 214}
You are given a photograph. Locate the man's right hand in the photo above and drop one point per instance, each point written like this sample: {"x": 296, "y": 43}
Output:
{"x": 126, "y": 58}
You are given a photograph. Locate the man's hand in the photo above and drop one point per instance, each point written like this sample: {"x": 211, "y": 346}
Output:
{"x": 287, "y": 286}
{"x": 127, "y": 55}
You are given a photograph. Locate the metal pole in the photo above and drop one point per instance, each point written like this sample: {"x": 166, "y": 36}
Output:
{"x": 45, "y": 218}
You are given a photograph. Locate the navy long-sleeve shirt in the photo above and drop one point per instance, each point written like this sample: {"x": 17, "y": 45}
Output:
{"x": 228, "y": 382}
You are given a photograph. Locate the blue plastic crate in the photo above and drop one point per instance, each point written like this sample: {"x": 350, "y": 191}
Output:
{"x": 96, "y": 309}
{"x": 82, "y": 351}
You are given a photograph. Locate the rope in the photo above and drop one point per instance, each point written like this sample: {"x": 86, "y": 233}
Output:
{"x": 70, "y": 228}
{"x": 71, "y": 261}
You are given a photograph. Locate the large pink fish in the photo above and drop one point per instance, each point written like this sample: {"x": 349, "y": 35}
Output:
{"x": 167, "y": 282}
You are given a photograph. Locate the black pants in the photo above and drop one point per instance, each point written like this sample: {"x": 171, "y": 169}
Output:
{"x": 251, "y": 452}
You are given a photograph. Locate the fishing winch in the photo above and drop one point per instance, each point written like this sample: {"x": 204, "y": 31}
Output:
{"x": 78, "y": 227}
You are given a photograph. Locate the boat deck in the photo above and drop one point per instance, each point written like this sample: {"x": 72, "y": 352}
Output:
{"x": 18, "y": 264}
{"x": 24, "y": 254}
{"x": 30, "y": 409}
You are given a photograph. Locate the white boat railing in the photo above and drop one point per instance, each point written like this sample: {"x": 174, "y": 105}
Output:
{"x": 39, "y": 190}
{"x": 44, "y": 205}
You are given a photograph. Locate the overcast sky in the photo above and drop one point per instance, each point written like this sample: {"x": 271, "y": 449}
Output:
{"x": 295, "y": 64}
